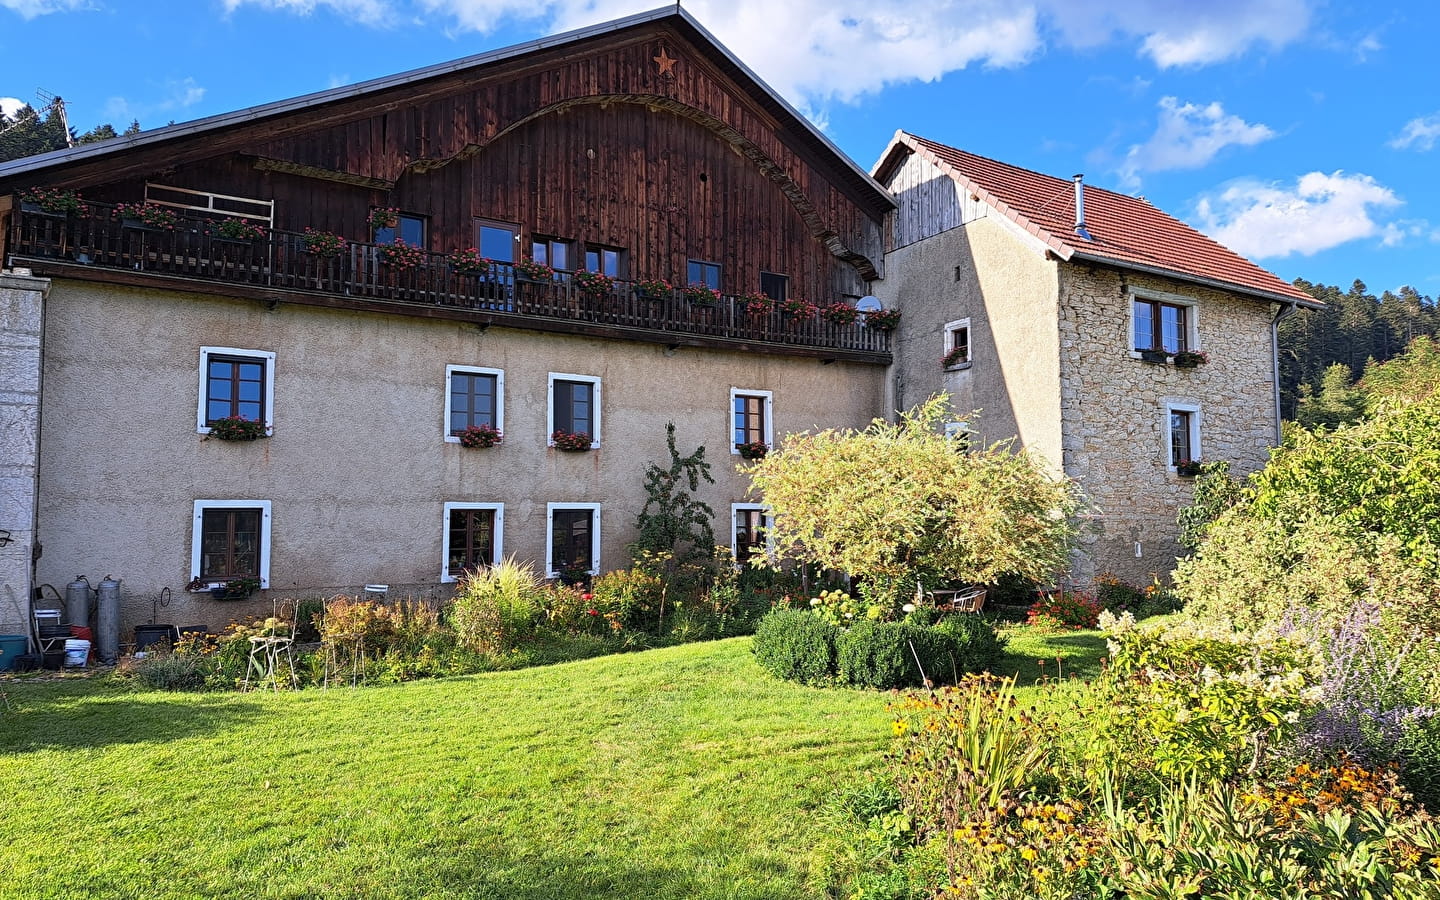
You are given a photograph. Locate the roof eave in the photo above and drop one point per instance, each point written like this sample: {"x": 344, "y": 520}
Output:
{"x": 1229, "y": 286}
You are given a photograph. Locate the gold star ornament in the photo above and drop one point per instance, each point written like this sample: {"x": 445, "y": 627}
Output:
{"x": 666, "y": 64}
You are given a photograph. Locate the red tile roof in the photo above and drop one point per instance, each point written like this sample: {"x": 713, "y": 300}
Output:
{"x": 1126, "y": 231}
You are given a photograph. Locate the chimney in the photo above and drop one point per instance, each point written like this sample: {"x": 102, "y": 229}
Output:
{"x": 1080, "y": 229}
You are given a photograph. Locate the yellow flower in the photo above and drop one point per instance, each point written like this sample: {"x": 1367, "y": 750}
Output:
{"x": 900, "y": 726}
{"x": 1028, "y": 854}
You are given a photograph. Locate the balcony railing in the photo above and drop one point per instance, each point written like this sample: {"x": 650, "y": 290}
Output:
{"x": 280, "y": 262}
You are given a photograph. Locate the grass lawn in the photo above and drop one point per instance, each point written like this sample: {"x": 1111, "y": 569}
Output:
{"x": 683, "y": 772}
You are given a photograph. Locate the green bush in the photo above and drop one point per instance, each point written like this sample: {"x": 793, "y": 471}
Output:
{"x": 888, "y": 655}
{"x": 797, "y": 646}
{"x": 978, "y": 647}
{"x": 172, "y": 672}
{"x": 633, "y": 597}
{"x": 496, "y": 607}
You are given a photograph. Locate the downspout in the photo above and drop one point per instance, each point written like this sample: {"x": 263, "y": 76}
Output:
{"x": 1285, "y": 312}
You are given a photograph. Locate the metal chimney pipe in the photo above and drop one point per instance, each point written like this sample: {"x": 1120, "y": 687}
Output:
{"x": 1080, "y": 228}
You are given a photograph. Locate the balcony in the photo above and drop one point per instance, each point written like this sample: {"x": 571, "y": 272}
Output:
{"x": 276, "y": 269}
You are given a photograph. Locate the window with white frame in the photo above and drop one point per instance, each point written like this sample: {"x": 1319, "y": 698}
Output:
{"x": 1182, "y": 433}
{"x": 750, "y": 531}
{"x": 230, "y": 539}
{"x": 957, "y": 344}
{"x": 1160, "y": 321}
{"x": 572, "y": 538}
{"x": 574, "y": 406}
{"x": 473, "y": 397}
{"x": 236, "y": 383}
{"x": 750, "y": 418}
{"x": 473, "y": 537}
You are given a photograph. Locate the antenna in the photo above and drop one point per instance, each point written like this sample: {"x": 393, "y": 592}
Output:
{"x": 57, "y": 104}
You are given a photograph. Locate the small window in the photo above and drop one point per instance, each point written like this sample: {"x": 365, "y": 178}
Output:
{"x": 555, "y": 253}
{"x": 1161, "y": 326}
{"x": 606, "y": 260}
{"x": 496, "y": 240}
{"x": 706, "y": 273}
{"x": 1183, "y": 430}
{"x": 957, "y": 344}
{"x": 573, "y": 539}
{"x": 231, "y": 539}
{"x": 750, "y": 418}
{"x": 750, "y": 536}
{"x": 575, "y": 405}
{"x": 472, "y": 537}
{"x": 236, "y": 382}
{"x": 411, "y": 230}
{"x": 776, "y": 287}
{"x": 473, "y": 396}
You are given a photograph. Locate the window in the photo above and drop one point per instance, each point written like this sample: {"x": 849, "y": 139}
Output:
{"x": 1183, "y": 433}
{"x": 706, "y": 273}
{"x": 1163, "y": 323}
{"x": 750, "y": 535}
{"x": 496, "y": 240}
{"x": 957, "y": 343}
{"x": 551, "y": 251}
{"x": 575, "y": 405}
{"x": 607, "y": 260}
{"x": 473, "y": 396}
{"x": 776, "y": 287}
{"x": 235, "y": 382}
{"x": 231, "y": 539}
{"x": 750, "y": 418}
{"x": 472, "y": 537}
{"x": 572, "y": 538}
{"x": 411, "y": 230}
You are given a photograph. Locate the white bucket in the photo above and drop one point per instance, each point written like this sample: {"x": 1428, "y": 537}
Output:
{"x": 76, "y": 652}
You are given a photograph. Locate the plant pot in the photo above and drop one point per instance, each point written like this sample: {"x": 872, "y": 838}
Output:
{"x": 138, "y": 225}
{"x": 1158, "y": 357}
{"x": 36, "y": 209}
{"x": 1187, "y": 364}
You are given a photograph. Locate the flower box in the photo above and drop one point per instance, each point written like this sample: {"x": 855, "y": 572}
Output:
{"x": 56, "y": 203}
{"x": 883, "y": 319}
{"x": 753, "y": 450}
{"x": 594, "y": 284}
{"x": 571, "y": 441}
{"x": 1190, "y": 359}
{"x": 323, "y": 244}
{"x": 239, "y": 231}
{"x": 700, "y": 294}
{"x": 840, "y": 314}
{"x": 1158, "y": 357}
{"x": 480, "y": 436}
{"x": 468, "y": 262}
{"x": 532, "y": 271}
{"x": 237, "y": 428}
{"x": 653, "y": 289}
{"x": 236, "y": 589}
{"x": 146, "y": 217}
{"x": 956, "y": 358}
{"x": 400, "y": 255}
{"x": 1188, "y": 468}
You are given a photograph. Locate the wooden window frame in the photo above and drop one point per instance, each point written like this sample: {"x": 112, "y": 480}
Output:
{"x": 704, "y": 266}
{"x": 551, "y": 418}
{"x": 1158, "y": 302}
{"x": 499, "y": 225}
{"x": 550, "y": 244}
{"x": 1191, "y": 412}
{"x": 452, "y": 437}
{"x": 497, "y": 529}
{"x": 784, "y": 286}
{"x": 767, "y": 522}
{"x": 767, "y": 411}
{"x": 397, "y": 231}
{"x": 550, "y": 510}
{"x": 197, "y": 535}
{"x": 265, "y": 357}
{"x": 622, "y": 259}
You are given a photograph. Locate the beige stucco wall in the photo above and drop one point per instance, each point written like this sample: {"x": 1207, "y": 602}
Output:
{"x": 22, "y": 307}
{"x": 357, "y": 470}
{"x": 984, "y": 272}
{"x": 1116, "y": 431}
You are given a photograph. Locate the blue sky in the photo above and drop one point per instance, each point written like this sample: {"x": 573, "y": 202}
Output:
{"x": 1304, "y": 134}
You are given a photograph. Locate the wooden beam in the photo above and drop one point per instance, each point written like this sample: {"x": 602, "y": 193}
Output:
{"x": 267, "y": 164}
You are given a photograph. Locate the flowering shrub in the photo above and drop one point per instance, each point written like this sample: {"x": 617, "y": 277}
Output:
{"x": 401, "y": 255}
{"x": 324, "y": 244}
{"x": 383, "y": 217}
{"x": 797, "y": 308}
{"x": 753, "y": 449}
{"x": 237, "y": 428}
{"x": 571, "y": 441}
{"x": 1063, "y": 611}
{"x": 840, "y": 313}
{"x": 1117, "y": 596}
{"x": 655, "y": 288}
{"x": 237, "y": 229}
{"x": 883, "y": 319}
{"x": 468, "y": 262}
{"x": 700, "y": 294}
{"x": 54, "y": 200}
{"x": 955, "y": 357}
{"x": 535, "y": 271}
{"x": 594, "y": 284}
{"x": 483, "y": 435}
{"x": 151, "y": 215}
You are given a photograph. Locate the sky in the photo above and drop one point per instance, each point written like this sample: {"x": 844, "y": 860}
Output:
{"x": 1303, "y": 134}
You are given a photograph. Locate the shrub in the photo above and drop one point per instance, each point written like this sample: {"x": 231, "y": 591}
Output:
{"x": 978, "y": 646}
{"x": 495, "y": 608}
{"x": 634, "y": 597}
{"x": 797, "y": 646}
{"x": 163, "y": 671}
{"x": 1064, "y": 610}
{"x": 888, "y": 655}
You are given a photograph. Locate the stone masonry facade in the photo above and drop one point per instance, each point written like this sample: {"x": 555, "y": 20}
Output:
{"x": 22, "y": 306}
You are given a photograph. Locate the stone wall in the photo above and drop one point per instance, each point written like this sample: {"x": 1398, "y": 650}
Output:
{"x": 22, "y": 317}
{"x": 1115, "y": 428}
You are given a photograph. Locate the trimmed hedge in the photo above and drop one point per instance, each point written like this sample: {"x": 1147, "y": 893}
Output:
{"x": 800, "y": 646}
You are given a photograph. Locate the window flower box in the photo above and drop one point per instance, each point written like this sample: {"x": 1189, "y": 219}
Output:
{"x": 468, "y": 262}
{"x": 54, "y": 202}
{"x": 798, "y": 309}
{"x": 1188, "y": 468}
{"x": 236, "y": 589}
{"x": 241, "y": 231}
{"x": 654, "y": 289}
{"x": 323, "y": 244}
{"x": 594, "y": 284}
{"x": 883, "y": 319}
{"x": 753, "y": 450}
{"x": 400, "y": 255}
{"x": 757, "y": 305}
{"x": 146, "y": 217}
{"x": 1190, "y": 359}
{"x": 571, "y": 441}
{"x": 840, "y": 314}
{"x": 1158, "y": 357}
{"x": 955, "y": 358}
{"x": 700, "y": 294}
{"x": 383, "y": 217}
{"x": 480, "y": 436}
{"x": 530, "y": 270}
{"x": 237, "y": 428}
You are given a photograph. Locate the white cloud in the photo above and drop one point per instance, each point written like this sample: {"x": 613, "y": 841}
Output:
{"x": 11, "y": 105}
{"x": 1420, "y": 133}
{"x": 29, "y": 9}
{"x": 1321, "y": 211}
{"x": 176, "y": 96}
{"x": 1188, "y": 137}
{"x": 816, "y": 51}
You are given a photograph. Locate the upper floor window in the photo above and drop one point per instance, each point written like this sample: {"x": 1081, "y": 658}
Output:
{"x": 575, "y": 405}
{"x": 750, "y": 418}
{"x": 496, "y": 240}
{"x": 473, "y": 396}
{"x": 410, "y": 229}
{"x": 236, "y": 383}
{"x": 554, "y": 252}
{"x": 231, "y": 539}
{"x": 607, "y": 260}
{"x": 957, "y": 343}
{"x": 1161, "y": 325}
{"x": 472, "y": 537}
{"x": 700, "y": 272}
{"x": 776, "y": 287}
